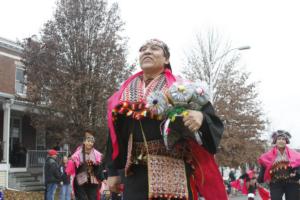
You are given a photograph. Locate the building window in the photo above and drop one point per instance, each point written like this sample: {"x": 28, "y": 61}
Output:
{"x": 20, "y": 81}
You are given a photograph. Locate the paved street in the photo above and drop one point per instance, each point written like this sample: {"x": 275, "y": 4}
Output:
{"x": 238, "y": 198}
{"x": 241, "y": 198}
{"x": 244, "y": 198}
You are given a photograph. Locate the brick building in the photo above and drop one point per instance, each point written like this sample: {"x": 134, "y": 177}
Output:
{"x": 17, "y": 136}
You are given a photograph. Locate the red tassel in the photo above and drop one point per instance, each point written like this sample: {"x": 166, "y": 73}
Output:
{"x": 125, "y": 104}
{"x": 133, "y": 106}
{"x": 129, "y": 113}
{"x": 138, "y": 116}
{"x": 121, "y": 111}
{"x": 193, "y": 188}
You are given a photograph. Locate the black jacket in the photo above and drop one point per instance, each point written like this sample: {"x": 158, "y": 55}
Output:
{"x": 65, "y": 178}
{"x": 52, "y": 172}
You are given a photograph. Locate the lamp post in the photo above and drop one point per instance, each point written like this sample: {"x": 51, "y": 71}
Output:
{"x": 214, "y": 78}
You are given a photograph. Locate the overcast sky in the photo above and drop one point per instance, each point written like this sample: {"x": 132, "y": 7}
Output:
{"x": 270, "y": 27}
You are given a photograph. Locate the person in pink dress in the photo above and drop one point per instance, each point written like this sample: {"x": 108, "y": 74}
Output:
{"x": 280, "y": 167}
{"x": 85, "y": 166}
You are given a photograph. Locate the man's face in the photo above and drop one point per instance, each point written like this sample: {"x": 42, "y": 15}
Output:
{"x": 281, "y": 142}
{"x": 152, "y": 58}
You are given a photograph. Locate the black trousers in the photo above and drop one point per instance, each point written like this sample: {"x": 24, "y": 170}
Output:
{"x": 291, "y": 191}
{"x": 85, "y": 191}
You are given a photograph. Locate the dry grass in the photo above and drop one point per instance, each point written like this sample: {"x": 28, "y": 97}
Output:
{"x": 20, "y": 195}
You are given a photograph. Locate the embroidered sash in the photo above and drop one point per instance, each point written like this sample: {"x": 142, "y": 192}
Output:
{"x": 137, "y": 92}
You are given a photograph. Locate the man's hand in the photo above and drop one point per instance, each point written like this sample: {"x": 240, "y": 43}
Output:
{"x": 193, "y": 120}
{"x": 113, "y": 183}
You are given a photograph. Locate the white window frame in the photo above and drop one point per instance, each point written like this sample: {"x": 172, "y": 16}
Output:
{"x": 19, "y": 66}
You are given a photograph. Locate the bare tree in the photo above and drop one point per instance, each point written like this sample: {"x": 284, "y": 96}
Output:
{"x": 234, "y": 97}
{"x": 207, "y": 57}
{"x": 77, "y": 63}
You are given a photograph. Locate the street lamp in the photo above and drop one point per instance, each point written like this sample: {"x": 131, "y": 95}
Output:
{"x": 244, "y": 48}
{"x": 230, "y": 50}
{"x": 212, "y": 63}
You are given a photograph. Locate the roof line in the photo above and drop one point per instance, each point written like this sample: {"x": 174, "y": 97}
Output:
{"x": 11, "y": 45}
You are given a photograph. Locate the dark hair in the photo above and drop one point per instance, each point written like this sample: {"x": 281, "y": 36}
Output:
{"x": 83, "y": 157}
{"x": 90, "y": 131}
{"x": 168, "y": 66}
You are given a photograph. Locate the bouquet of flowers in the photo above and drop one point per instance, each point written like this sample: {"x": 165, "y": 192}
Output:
{"x": 174, "y": 105}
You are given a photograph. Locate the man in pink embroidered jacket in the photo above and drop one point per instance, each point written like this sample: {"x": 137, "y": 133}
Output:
{"x": 281, "y": 168}
{"x": 85, "y": 166}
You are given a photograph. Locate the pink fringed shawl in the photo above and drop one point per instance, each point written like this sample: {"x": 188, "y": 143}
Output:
{"x": 267, "y": 159}
{"x": 75, "y": 161}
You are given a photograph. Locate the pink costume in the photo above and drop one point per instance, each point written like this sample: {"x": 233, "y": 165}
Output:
{"x": 267, "y": 159}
